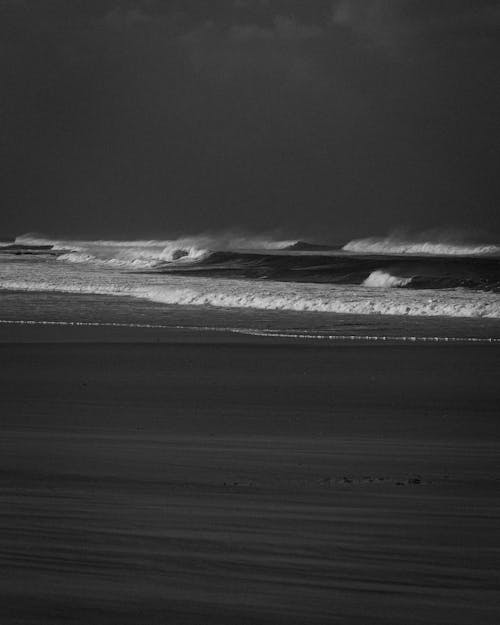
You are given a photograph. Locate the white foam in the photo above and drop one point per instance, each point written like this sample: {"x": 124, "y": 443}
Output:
{"x": 244, "y": 294}
{"x": 133, "y": 256}
{"x": 136, "y": 258}
{"x": 386, "y": 280}
{"x": 150, "y": 253}
{"x": 391, "y": 245}
{"x": 335, "y": 300}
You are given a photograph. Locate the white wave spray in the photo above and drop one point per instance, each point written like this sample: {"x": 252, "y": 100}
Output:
{"x": 385, "y": 280}
{"x": 396, "y": 245}
{"x": 142, "y": 254}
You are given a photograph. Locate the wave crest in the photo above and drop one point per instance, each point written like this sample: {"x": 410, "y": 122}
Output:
{"x": 391, "y": 245}
{"x": 137, "y": 258}
{"x": 382, "y": 279}
{"x": 143, "y": 254}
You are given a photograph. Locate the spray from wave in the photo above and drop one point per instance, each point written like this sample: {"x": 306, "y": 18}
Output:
{"x": 427, "y": 244}
{"x": 143, "y": 254}
{"x": 264, "y": 258}
{"x": 385, "y": 280}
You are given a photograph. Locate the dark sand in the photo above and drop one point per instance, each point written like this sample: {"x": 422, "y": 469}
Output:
{"x": 249, "y": 482}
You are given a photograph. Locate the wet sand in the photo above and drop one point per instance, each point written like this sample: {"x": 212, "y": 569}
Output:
{"x": 246, "y": 482}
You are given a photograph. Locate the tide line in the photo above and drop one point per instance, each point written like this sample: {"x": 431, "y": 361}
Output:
{"x": 280, "y": 334}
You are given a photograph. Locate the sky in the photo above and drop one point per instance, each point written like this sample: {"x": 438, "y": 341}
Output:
{"x": 325, "y": 119}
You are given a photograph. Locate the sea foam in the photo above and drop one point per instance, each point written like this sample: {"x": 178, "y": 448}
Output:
{"x": 333, "y": 300}
{"x": 390, "y": 245}
{"x": 143, "y": 254}
{"x": 385, "y": 280}
{"x": 269, "y": 295}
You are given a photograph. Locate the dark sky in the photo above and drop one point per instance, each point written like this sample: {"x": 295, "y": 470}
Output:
{"x": 319, "y": 118}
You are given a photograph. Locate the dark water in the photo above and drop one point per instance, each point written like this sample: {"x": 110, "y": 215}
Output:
{"x": 422, "y": 272}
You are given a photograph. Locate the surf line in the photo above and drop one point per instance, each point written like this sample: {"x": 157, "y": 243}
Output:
{"x": 368, "y": 337}
{"x": 258, "y": 333}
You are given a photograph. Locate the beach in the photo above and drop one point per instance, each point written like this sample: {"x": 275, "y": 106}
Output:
{"x": 250, "y": 312}
{"x": 155, "y": 477}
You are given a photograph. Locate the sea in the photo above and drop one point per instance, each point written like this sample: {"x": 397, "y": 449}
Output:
{"x": 376, "y": 289}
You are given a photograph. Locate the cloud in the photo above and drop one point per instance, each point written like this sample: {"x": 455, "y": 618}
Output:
{"x": 279, "y": 48}
{"x": 403, "y": 22}
{"x": 250, "y": 32}
{"x": 283, "y": 28}
{"x": 122, "y": 18}
{"x": 342, "y": 13}
{"x": 289, "y": 28}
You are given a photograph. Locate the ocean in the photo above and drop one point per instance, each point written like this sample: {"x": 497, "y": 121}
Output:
{"x": 370, "y": 290}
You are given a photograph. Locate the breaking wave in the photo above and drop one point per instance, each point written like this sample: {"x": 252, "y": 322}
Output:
{"x": 382, "y": 279}
{"x": 238, "y": 272}
{"x": 260, "y": 258}
{"x": 341, "y": 301}
{"x": 393, "y": 245}
{"x": 136, "y": 258}
{"x": 143, "y": 254}
{"x": 240, "y": 294}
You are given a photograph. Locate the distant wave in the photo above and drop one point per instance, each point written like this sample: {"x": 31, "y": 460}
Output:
{"x": 224, "y": 241}
{"x": 260, "y": 258}
{"x": 305, "y": 246}
{"x": 171, "y": 250}
{"x": 392, "y": 245}
{"x": 19, "y": 249}
{"x": 147, "y": 253}
{"x": 133, "y": 258}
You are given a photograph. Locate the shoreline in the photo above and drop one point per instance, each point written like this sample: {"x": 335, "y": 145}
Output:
{"x": 13, "y": 331}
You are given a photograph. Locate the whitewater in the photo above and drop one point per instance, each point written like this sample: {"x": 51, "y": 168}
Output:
{"x": 268, "y": 286}
{"x": 146, "y": 253}
{"x": 397, "y": 245}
